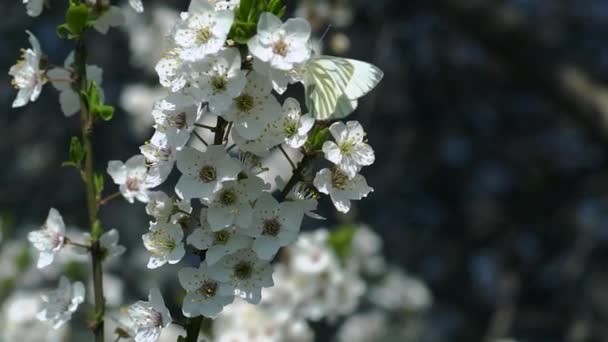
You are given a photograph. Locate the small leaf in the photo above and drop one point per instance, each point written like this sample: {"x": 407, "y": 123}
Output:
{"x": 316, "y": 139}
{"x": 95, "y": 103}
{"x": 98, "y": 182}
{"x": 76, "y": 154}
{"x": 105, "y": 112}
{"x": 77, "y": 18}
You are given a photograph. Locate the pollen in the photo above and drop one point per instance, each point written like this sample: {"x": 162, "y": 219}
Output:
{"x": 207, "y": 174}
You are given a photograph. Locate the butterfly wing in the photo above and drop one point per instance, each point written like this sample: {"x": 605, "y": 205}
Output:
{"x": 334, "y": 84}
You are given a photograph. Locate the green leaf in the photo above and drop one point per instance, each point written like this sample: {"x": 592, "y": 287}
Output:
{"x": 247, "y": 15}
{"x": 95, "y": 103}
{"x": 341, "y": 239}
{"x": 77, "y": 20}
{"x": 105, "y": 112}
{"x": 316, "y": 139}
{"x": 76, "y": 154}
{"x": 98, "y": 182}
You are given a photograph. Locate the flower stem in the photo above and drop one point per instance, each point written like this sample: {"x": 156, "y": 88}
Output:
{"x": 108, "y": 198}
{"x": 296, "y": 176}
{"x": 193, "y": 328}
{"x": 293, "y": 166}
{"x": 80, "y": 58}
{"x": 193, "y": 325}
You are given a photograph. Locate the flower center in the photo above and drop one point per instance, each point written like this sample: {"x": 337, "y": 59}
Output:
{"x": 339, "y": 179}
{"x": 290, "y": 128}
{"x": 218, "y": 83}
{"x": 207, "y": 174}
{"x": 244, "y": 102}
{"x": 161, "y": 243}
{"x": 179, "y": 121}
{"x": 280, "y": 47}
{"x": 347, "y": 147}
{"x": 203, "y": 35}
{"x": 221, "y": 237}
{"x": 132, "y": 184}
{"x": 243, "y": 270}
{"x": 227, "y": 197}
{"x": 208, "y": 289}
{"x": 271, "y": 227}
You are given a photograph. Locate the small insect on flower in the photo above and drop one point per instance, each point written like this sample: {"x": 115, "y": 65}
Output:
{"x": 61, "y": 303}
{"x": 50, "y": 239}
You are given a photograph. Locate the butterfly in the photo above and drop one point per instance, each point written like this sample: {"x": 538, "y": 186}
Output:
{"x": 334, "y": 84}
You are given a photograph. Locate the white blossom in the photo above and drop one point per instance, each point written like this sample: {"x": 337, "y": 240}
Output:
{"x": 62, "y": 79}
{"x": 282, "y": 45}
{"x": 195, "y": 5}
{"x": 160, "y": 158}
{"x": 167, "y": 209}
{"x": 131, "y": 178}
{"x": 349, "y": 151}
{"x": 232, "y": 204}
{"x": 172, "y": 71}
{"x": 111, "y": 17}
{"x": 274, "y": 225}
{"x": 59, "y": 304}
{"x": 164, "y": 242}
{"x": 243, "y": 275}
{"x": 50, "y": 239}
{"x": 137, "y": 5}
{"x": 34, "y": 7}
{"x": 19, "y": 322}
{"x": 218, "y": 79}
{"x": 202, "y": 292}
{"x": 27, "y": 76}
{"x": 254, "y": 108}
{"x": 204, "y": 172}
{"x": 175, "y": 116}
{"x": 294, "y": 126}
{"x": 203, "y": 32}
{"x": 340, "y": 188}
{"x": 149, "y": 318}
{"x": 398, "y": 291}
{"x": 217, "y": 243}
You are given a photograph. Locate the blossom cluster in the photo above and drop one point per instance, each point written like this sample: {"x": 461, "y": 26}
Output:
{"x": 241, "y": 225}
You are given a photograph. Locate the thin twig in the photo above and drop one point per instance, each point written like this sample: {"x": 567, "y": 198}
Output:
{"x": 109, "y": 198}
{"x": 211, "y": 128}
{"x": 200, "y": 138}
{"x": 80, "y": 62}
{"x": 293, "y": 166}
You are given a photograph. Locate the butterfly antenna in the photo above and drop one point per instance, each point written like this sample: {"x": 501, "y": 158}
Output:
{"x": 325, "y": 33}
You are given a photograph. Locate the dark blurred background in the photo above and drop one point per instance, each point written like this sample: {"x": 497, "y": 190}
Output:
{"x": 491, "y": 135}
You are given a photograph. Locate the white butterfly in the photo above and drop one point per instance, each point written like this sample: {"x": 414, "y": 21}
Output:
{"x": 334, "y": 84}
